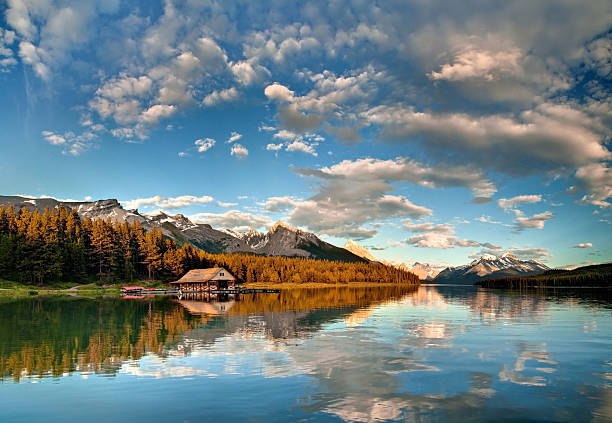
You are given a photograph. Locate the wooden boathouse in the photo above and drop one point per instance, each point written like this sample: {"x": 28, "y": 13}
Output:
{"x": 206, "y": 280}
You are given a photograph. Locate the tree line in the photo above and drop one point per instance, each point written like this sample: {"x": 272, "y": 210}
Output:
{"x": 599, "y": 275}
{"x": 58, "y": 245}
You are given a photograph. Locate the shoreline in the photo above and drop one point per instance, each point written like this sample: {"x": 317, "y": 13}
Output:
{"x": 17, "y": 290}
{"x": 290, "y": 285}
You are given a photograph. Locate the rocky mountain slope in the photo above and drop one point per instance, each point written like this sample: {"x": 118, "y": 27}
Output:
{"x": 280, "y": 240}
{"x": 489, "y": 267}
{"x": 359, "y": 250}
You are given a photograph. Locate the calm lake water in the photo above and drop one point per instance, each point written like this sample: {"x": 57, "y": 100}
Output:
{"x": 438, "y": 353}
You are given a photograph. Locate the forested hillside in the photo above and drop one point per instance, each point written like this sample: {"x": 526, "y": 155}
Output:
{"x": 58, "y": 245}
{"x": 599, "y": 275}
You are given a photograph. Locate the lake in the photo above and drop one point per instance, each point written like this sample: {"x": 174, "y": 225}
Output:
{"x": 436, "y": 353}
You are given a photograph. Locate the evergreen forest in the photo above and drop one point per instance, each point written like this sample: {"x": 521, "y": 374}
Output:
{"x": 58, "y": 245}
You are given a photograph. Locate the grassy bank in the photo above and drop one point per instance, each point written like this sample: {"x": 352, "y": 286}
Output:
{"x": 10, "y": 289}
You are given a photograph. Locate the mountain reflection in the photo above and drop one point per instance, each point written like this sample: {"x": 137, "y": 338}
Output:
{"x": 51, "y": 337}
{"x": 395, "y": 353}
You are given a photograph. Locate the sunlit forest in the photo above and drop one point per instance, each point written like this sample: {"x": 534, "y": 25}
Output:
{"x": 58, "y": 245}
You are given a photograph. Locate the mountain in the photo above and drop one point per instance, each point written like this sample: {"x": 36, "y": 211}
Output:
{"x": 489, "y": 267}
{"x": 280, "y": 240}
{"x": 359, "y": 250}
{"x": 424, "y": 271}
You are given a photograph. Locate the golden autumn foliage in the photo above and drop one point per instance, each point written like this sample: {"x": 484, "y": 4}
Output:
{"x": 58, "y": 245}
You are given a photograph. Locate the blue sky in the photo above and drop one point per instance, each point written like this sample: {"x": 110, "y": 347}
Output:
{"x": 427, "y": 131}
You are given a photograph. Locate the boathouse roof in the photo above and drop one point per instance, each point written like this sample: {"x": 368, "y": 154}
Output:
{"x": 205, "y": 275}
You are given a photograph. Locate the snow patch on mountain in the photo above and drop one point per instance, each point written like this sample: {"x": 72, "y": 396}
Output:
{"x": 489, "y": 266}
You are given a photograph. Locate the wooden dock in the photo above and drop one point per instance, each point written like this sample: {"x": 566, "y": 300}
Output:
{"x": 236, "y": 291}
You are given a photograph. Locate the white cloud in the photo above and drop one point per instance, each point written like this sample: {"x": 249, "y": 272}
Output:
{"x": 286, "y": 135}
{"x": 240, "y": 151}
{"x": 204, "y": 144}
{"x": 123, "y": 133}
{"x": 235, "y": 136}
{"x": 280, "y": 204}
{"x": 584, "y": 245}
{"x": 222, "y": 204}
{"x": 156, "y": 112}
{"x": 119, "y": 88}
{"x": 548, "y": 137}
{"x": 596, "y": 179}
{"x": 395, "y": 244}
{"x": 71, "y": 143}
{"x": 274, "y": 147}
{"x": 7, "y": 59}
{"x": 509, "y": 203}
{"x": 167, "y": 202}
{"x": 278, "y": 92}
{"x": 244, "y": 73}
{"x": 474, "y": 63}
{"x": 536, "y": 221}
{"x": 353, "y": 193}
{"x": 431, "y": 235}
{"x": 53, "y": 139}
{"x": 301, "y": 146}
{"x": 233, "y": 219}
{"x": 221, "y": 96}
{"x": 403, "y": 169}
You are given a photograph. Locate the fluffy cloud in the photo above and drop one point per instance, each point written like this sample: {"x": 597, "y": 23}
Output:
{"x": 584, "y": 245}
{"x": 510, "y": 203}
{"x": 536, "y": 221}
{"x": 430, "y": 235}
{"x": 7, "y": 59}
{"x": 239, "y": 151}
{"x": 221, "y": 96}
{"x": 53, "y": 139}
{"x": 274, "y": 147}
{"x": 280, "y": 204}
{"x": 298, "y": 145}
{"x": 233, "y": 219}
{"x": 403, "y": 169}
{"x": 279, "y": 92}
{"x": 71, "y": 143}
{"x": 167, "y": 202}
{"x": 596, "y": 179}
{"x": 549, "y": 137}
{"x": 204, "y": 144}
{"x": 156, "y": 112}
{"x": 305, "y": 143}
{"x": 353, "y": 193}
{"x": 473, "y": 63}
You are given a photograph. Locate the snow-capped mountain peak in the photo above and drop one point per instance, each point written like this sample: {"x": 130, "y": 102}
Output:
{"x": 489, "y": 266}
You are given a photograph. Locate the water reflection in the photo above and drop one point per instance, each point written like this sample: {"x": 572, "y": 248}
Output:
{"x": 431, "y": 354}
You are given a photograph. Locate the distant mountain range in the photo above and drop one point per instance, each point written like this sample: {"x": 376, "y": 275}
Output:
{"x": 280, "y": 240}
{"x": 424, "y": 271}
{"x": 489, "y": 267}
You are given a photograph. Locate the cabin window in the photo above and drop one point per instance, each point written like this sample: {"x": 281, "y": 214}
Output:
{"x": 221, "y": 274}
